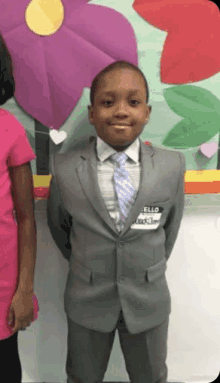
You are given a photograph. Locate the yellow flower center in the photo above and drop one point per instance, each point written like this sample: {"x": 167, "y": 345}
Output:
{"x": 44, "y": 17}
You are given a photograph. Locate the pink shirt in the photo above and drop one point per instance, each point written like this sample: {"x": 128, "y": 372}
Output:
{"x": 14, "y": 150}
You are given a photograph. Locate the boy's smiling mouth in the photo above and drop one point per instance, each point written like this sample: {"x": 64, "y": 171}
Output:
{"x": 120, "y": 126}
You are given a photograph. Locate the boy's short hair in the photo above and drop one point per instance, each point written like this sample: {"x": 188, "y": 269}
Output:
{"x": 111, "y": 67}
{"x": 7, "y": 83}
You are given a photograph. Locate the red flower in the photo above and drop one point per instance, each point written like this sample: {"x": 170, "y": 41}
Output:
{"x": 191, "y": 50}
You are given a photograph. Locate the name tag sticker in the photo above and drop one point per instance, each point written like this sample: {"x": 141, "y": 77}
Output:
{"x": 149, "y": 218}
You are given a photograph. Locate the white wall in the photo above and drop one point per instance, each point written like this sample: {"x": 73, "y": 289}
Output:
{"x": 193, "y": 276}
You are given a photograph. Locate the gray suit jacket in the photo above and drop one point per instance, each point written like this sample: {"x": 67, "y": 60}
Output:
{"x": 110, "y": 271}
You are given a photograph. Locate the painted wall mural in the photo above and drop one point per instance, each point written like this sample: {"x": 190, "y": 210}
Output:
{"x": 58, "y": 47}
{"x": 51, "y": 68}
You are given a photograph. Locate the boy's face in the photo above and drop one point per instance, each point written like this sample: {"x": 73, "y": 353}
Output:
{"x": 120, "y": 111}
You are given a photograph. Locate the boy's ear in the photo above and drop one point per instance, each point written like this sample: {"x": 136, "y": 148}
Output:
{"x": 90, "y": 108}
{"x": 148, "y": 112}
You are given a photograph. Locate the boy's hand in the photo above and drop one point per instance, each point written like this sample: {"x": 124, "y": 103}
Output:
{"x": 21, "y": 311}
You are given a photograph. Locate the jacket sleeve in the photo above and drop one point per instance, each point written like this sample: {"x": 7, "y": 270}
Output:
{"x": 58, "y": 219}
{"x": 173, "y": 222}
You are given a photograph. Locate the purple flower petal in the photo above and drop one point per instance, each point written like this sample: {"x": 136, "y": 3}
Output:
{"x": 12, "y": 14}
{"x": 57, "y": 80}
{"x": 109, "y": 34}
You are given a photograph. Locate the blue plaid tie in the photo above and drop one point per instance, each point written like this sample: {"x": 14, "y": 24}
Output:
{"x": 124, "y": 188}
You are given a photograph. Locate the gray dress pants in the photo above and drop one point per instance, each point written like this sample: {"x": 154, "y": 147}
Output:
{"x": 89, "y": 352}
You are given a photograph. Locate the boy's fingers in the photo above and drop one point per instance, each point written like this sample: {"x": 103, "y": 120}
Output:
{"x": 16, "y": 328}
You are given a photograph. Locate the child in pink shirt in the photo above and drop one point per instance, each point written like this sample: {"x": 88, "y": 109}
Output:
{"x": 18, "y": 303}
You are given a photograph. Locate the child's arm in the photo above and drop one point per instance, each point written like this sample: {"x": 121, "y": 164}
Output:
{"x": 58, "y": 219}
{"x": 23, "y": 198}
{"x": 174, "y": 219}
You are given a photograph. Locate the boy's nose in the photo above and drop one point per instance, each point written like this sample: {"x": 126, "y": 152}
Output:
{"x": 121, "y": 110}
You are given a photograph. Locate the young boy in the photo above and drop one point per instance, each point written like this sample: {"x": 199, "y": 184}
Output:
{"x": 114, "y": 211}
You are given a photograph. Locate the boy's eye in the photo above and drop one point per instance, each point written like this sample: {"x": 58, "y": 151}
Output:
{"x": 107, "y": 102}
{"x": 134, "y": 102}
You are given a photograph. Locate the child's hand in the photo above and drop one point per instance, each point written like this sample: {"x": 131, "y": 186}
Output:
{"x": 21, "y": 311}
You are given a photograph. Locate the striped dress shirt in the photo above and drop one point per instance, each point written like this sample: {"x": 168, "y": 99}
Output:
{"x": 106, "y": 166}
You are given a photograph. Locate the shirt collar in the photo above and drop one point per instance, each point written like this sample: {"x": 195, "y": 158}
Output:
{"x": 104, "y": 150}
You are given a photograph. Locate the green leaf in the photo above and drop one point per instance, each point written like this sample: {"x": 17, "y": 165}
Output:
{"x": 191, "y": 101}
{"x": 188, "y": 133}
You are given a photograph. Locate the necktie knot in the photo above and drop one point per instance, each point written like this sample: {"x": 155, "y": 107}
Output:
{"x": 120, "y": 158}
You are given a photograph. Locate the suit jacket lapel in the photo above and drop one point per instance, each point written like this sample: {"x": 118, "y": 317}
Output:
{"x": 87, "y": 173}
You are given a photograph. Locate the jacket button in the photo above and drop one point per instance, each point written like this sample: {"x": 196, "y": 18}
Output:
{"x": 121, "y": 278}
{"x": 121, "y": 244}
